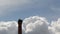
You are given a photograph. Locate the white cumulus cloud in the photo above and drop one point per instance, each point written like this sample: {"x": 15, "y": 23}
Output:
{"x": 31, "y": 25}
{"x": 36, "y": 25}
{"x": 9, "y": 27}
{"x": 55, "y": 26}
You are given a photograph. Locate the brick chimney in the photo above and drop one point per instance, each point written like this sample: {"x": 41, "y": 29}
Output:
{"x": 19, "y": 26}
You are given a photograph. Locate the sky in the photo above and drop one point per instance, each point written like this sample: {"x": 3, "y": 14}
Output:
{"x": 15, "y": 9}
{"x": 38, "y": 16}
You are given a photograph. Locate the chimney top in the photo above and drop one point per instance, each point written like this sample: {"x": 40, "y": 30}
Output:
{"x": 19, "y": 20}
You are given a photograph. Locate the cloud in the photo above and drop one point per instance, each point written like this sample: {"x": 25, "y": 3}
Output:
{"x": 39, "y": 25}
{"x": 9, "y": 27}
{"x": 31, "y": 25}
{"x": 55, "y": 26}
{"x": 36, "y": 25}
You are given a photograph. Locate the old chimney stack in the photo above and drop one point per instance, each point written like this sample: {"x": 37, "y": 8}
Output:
{"x": 19, "y": 26}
